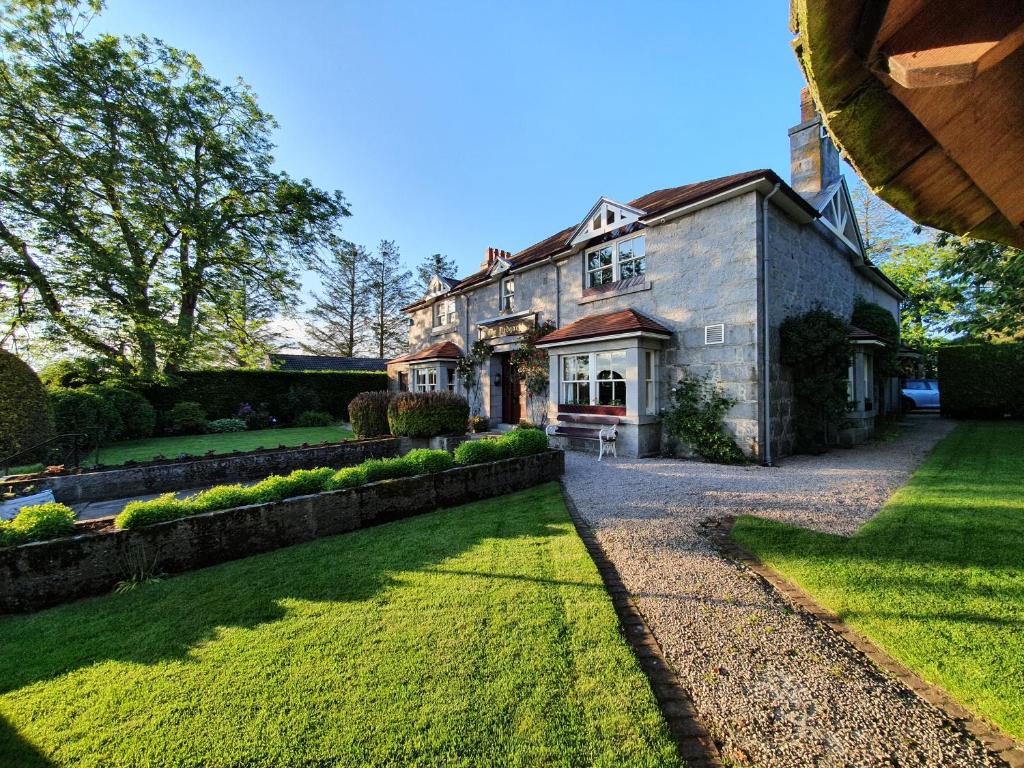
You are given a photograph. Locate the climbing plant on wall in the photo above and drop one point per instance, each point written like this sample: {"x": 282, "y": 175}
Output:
{"x": 532, "y": 364}
{"x": 468, "y": 370}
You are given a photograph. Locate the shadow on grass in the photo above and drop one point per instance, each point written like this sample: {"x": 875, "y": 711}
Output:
{"x": 163, "y": 621}
{"x": 16, "y": 751}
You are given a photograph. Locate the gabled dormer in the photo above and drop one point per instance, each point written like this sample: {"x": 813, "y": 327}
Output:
{"x": 604, "y": 216}
{"x": 439, "y": 285}
{"x": 836, "y": 208}
{"x": 499, "y": 265}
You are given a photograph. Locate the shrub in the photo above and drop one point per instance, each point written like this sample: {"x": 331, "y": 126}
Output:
{"x": 480, "y": 451}
{"x": 226, "y": 425}
{"x": 369, "y": 413}
{"x": 388, "y": 469}
{"x": 816, "y": 349}
{"x": 138, "y": 417}
{"x": 36, "y": 523}
{"x": 428, "y": 461}
{"x": 314, "y": 419}
{"x": 479, "y": 423}
{"x": 25, "y": 416}
{"x": 525, "y": 441}
{"x": 299, "y": 483}
{"x": 299, "y": 399}
{"x": 76, "y": 410}
{"x": 696, "y": 416}
{"x": 220, "y": 391}
{"x": 165, "y": 507}
{"x": 219, "y": 497}
{"x": 349, "y": 477}
{"x": 428, "y": 414}
{"x": 187, "y": 418}
{"x": 982, "y": 380}
{"x": 76, "y": 373}
{"x": 256, "y": 418}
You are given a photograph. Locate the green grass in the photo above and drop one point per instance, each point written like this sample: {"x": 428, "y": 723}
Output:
{"x": 475, "y": 636}
{"x": 198, "y": 445}
{"x": 937, "y": 578}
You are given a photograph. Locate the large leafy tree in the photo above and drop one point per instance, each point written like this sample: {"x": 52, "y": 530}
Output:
{"x": 388, "y": 288}
{"x": 241, "y": 331}
{"x": 131, "y": 184}
{"x": 991, "y": 277}
{"x": 338, "y": 317}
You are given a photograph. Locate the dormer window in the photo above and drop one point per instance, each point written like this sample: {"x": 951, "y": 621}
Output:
{"x": 508, "y": 294}
{"x": 606, "y": 215}
{"x": 444, "y": 313}
{"x": 612, "y": 262}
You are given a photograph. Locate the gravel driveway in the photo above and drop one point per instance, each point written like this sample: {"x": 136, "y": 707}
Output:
{"x": 773, "y": 687}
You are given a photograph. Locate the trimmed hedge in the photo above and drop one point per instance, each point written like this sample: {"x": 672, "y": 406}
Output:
{"x": 301, "y": 482}
{"x": 369, "y": 413}
{"x": 982, "y": 380}
{"x": 428, "y": 414}
{"x": 25, "y": 417}
{"x": 81, "y": 411}
{"x": 138, "y": 417}
{"x": 222, "y": 391}
{"x": 313, "y": 419}
{"x": 37, "y": 522}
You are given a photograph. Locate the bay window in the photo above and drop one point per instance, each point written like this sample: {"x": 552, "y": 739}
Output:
{"x": 424, "y": 379}
{"x": 650, "y": 379}
{"x": 597, "y": 378}
{"x": 612, "y": 262}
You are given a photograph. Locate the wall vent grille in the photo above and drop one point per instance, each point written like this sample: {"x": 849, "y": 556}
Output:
{"x": 714, "y": 334}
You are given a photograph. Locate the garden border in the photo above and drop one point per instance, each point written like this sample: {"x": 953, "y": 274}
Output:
{"x": 44, "y": 573}
{"x": 995, "y": 741}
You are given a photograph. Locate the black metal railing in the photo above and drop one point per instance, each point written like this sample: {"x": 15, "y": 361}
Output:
{"x": 69, "y": 449}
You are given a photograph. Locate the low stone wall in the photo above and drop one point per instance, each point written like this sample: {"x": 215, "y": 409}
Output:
{"x": 45, "y": 573}
{"x": 178, "y": 476}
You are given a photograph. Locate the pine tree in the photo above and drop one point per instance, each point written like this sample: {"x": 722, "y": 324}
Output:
{"x": 338, "y": 317}
{"x": 389, "y": 288}
{"x": 435, "y": 264}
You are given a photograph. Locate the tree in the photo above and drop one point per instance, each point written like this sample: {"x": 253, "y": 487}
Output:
{"x": 132, "y": 183}
{"x": 241, "y": 331}
{"x": 338, "y": 314}
{"x": 882, "y": 226}
{"x": 992, "y": 280}
{"x": 435, "y": 264}
{"x": 388, "y": 288}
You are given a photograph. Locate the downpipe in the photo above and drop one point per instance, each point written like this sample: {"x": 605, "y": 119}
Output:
{"x": 766, "y": 331}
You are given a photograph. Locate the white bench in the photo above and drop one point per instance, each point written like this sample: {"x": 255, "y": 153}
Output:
{"x": 584, "y": 426}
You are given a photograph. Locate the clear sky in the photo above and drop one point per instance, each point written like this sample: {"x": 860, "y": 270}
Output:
{"x": 451, "y": 127}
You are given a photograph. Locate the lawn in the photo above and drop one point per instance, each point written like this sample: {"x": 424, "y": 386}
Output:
{"x": 198, "y": 445}
{"x": 937, "y": 578}
{"x": 480, "y": 635}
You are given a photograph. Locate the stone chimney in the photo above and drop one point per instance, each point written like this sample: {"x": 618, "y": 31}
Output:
{"x": 813, "y": 158}
{"x": 493, "y": 254}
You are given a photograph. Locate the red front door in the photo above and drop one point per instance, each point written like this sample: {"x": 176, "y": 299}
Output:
{"x": 511, "y": 392}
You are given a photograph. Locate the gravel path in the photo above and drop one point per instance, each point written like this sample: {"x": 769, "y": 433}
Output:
{"x": 774, "y": 687}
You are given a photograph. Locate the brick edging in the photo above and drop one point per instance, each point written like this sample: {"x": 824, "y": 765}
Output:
{"x": 693, "y": 742}
{"x": 996, "y": 742}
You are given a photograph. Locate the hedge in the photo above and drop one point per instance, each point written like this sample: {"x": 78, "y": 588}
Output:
{"x": 25, "y": 418}
{"x": 222, "y": 392}
{"x": 518, "y": 442}
{"x": 982, "y": 380}
{"x": 37, "y": 522}
{"x": 428, "y": 414}
{"x": 368, "y": 412}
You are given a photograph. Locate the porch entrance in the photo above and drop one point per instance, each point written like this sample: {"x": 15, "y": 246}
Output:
{"x": 511, "y": 391}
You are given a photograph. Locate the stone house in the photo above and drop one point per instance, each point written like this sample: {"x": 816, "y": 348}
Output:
{"x": 694, "y": 279}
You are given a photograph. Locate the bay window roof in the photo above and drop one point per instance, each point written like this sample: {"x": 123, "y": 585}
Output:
{"x": 623, "y": 322}
{"x": 445, "y": 350}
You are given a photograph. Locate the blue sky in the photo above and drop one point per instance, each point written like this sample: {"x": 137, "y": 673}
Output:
{"x": 454, "y": 127}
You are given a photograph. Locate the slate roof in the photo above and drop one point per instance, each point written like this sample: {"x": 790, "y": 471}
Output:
{"x": 443, "y": 350}
{"x": 653, "y": 204}
{"x": 859, "y": 334}
{"x": 289, "y": 362}
{"x": 608, "y": 324}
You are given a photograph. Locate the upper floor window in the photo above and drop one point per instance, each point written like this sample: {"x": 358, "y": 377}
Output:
{"x": 444, "y": 313}
{"x": 508, "y": 294}
{"x": 612, "y": 262}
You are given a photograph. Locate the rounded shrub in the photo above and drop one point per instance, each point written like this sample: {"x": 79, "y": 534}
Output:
{"x": 138, "y": 417}
{"x": 222, "y": 426}
{"x": 314, "y": 419}
{"x": 158, "y": 510}
{"x": 25, "y": 418}
{"x": 427, "y": 461}
{"x": 388, "y": 469}
{"x": 368, "y": 412}
{"x": 478, "y": 451}
{"x": 428, "y": 414}
{"x": 81, "y": 411}
{"x": 349, "y": 477}
{"x": 37, "y": 523}
{"x": 187, "y": 418}
{"x": 525, "y": 441}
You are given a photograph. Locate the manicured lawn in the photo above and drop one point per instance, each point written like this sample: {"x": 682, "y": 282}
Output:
{"x": 197, "y": 445}
{"x": 937, "y": 579}
{"x": 475, "y": 636}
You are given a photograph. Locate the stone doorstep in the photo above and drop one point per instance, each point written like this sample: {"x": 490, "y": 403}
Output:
{"x": 995, "y": 741}
{"x": 693, "y": 742}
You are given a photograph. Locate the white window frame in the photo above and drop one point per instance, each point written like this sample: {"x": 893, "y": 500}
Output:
{"x": 508, "y": 298}
{"x": 592, "y": 382}
{"x": 650, "y": 357}
{"x": 616, "y": 264}
{"x": 444, "y": 313}
{"x": 424, "y": 379}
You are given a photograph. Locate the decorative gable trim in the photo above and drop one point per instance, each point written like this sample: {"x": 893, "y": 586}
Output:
{"x": 836, "y": 208}
{"x": 605, "y": 215}
{"x": 439, "y": 285}
{"x": 500, "y": 265}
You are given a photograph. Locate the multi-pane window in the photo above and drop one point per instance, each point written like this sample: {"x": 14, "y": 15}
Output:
{"x": 425, "y": 379}
{"x": 508, "y": 294}
{"x": 616, "y": 261}
{"x": 594, "y": 379}
{"x": 444, "y": 313}
{"x": 451, "y": 379}
{"x": 650, "y": 381}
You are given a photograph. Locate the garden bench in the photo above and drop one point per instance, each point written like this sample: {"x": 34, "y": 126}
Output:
{"x": 582, "y": 426}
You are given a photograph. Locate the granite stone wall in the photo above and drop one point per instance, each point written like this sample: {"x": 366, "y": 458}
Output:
{"x": 41, "y": 574}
